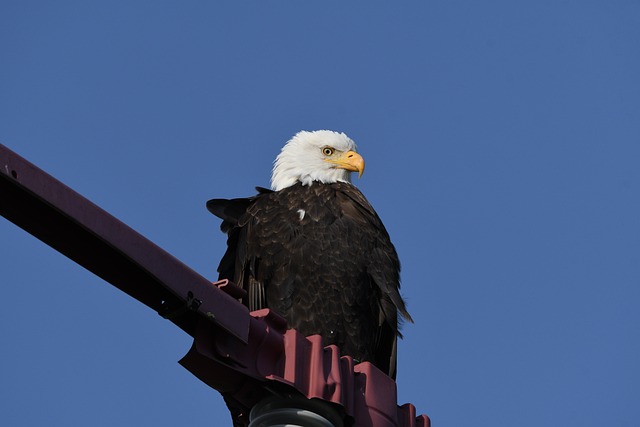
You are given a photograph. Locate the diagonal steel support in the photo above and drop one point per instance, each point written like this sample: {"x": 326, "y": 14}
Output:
{"x": 74, "y": 226}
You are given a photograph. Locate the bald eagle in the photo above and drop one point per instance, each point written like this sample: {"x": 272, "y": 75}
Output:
{"x": 313, "y": 250}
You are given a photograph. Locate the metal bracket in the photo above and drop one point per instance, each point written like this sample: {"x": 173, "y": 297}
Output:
{"x": 191, "y": 304}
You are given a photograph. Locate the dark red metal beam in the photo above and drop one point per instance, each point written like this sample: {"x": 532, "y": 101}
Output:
{"x": 246, "y": 356}
{"x": 71, "y": 224}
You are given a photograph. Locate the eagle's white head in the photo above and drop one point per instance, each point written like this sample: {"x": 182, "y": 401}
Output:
{"x": 323, "y": 155}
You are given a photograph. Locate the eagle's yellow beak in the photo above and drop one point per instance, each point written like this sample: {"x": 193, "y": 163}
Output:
{"x": 350, "y": 161}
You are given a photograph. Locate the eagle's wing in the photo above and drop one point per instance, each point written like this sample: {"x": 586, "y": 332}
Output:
{"x": 383, "y": 267}
{"x": 237, "y": 264}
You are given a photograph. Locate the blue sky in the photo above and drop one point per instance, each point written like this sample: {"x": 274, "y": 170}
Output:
{"x": 502, "y": 142}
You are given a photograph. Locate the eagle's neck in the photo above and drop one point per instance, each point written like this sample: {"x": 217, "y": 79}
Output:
{"x": 287, "y": 174}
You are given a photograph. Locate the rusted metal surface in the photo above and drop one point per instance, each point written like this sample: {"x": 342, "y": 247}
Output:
{"x": 245, "y": 356}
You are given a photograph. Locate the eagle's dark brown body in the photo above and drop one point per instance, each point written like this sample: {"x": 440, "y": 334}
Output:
{"x": 319, "y": 256}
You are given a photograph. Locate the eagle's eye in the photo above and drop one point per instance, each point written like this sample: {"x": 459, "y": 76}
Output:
{"x": 327, "y": 151}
